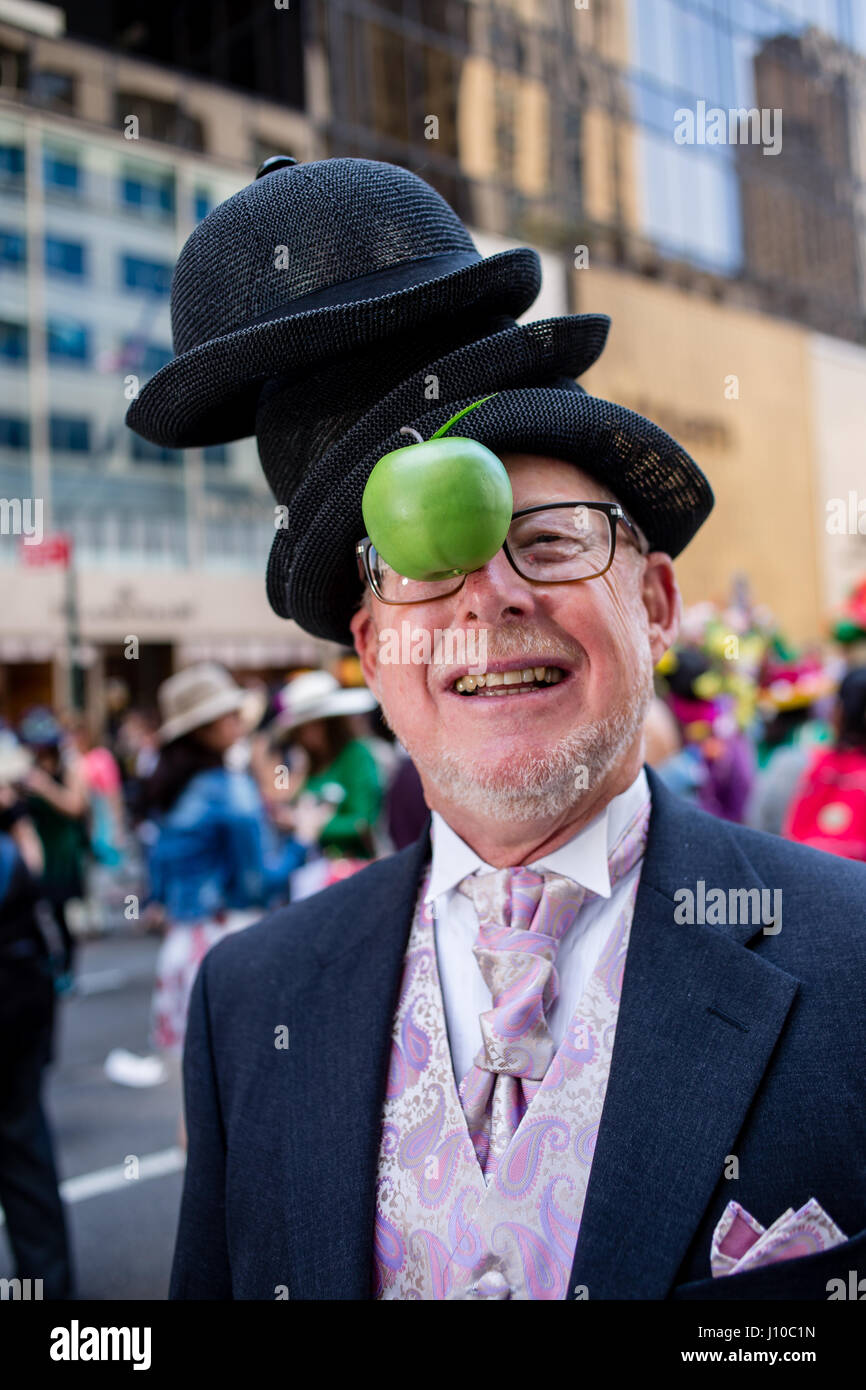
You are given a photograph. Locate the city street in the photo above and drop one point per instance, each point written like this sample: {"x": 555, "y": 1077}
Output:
{"x": 122, "y": 1227}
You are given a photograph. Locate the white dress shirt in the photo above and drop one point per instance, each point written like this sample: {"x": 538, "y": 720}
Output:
{"x": 583, "y": 859}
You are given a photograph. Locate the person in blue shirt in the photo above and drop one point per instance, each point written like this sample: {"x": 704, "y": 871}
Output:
{"x": 215, "y": 862}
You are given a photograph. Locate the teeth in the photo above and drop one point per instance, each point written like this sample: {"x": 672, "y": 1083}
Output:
{"x": 506, "y": 682}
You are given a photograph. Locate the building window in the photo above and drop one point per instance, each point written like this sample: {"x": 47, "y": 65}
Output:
{"x": 12, "y": 164}
{"x": 61, "y": 171}
{"x": 13, "y": 341}
{"x": 159, "y": 120}
{"x": 146, "y": 277}
{"x": 145, "y": 452}
{"x": 64, "y": 258}
{"x": 13, "y": 248}
{"x": 202, "y": 204}
{"x": 155, "y": 358}
{"x": 56, "y": 90}
{"x": 13, "y": 68}
{"x": 14, "y": 432}
{"x": 70, "y": 434}
{"x": 216, "y": 453}
{"x": 152, "y": 195}
{"x": 145, "y": 358}
{"x": 68, "y": 340}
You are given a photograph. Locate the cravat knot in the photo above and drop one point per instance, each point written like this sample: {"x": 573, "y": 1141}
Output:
{"x": 522, "y": 918}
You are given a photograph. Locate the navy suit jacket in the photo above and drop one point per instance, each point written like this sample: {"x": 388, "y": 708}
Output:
{"x": 731, "y": 1042}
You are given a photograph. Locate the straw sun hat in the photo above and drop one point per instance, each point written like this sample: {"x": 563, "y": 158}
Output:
{"x": 198, "y": 695}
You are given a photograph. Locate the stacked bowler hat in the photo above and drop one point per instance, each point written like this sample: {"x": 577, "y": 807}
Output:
{"x": 327, "y": 305}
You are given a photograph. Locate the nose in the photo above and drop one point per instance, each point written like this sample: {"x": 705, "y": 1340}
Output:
{"x": 494, "y": 592}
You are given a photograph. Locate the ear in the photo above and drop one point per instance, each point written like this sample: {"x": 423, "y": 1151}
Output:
{"x": 363, "y": 629}
{"x": 662, "y": 601}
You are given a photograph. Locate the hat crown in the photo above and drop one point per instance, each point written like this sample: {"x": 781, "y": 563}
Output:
{"x": 309, "y": 690}
{"x": 300, "y": 231}
{"x": 191, "y": 689}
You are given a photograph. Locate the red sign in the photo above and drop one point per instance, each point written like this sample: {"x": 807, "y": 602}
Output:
{"x": 51, "y": 550}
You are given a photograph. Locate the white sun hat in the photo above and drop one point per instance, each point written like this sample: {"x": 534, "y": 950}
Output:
{"x": 319, "y": 695}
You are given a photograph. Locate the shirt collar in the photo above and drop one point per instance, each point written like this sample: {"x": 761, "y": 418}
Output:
{"x": 582, "y": 858}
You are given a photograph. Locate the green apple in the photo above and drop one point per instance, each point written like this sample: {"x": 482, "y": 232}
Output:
{"x": 439, "y": 507}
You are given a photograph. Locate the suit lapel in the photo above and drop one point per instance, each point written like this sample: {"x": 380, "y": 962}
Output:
{"x": 698, "y": 1020}
{"x": 340, "y": 1067}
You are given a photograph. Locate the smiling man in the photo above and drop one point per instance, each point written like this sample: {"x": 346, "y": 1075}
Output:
{"x": 496, "y": 1065}
{"x": 520, "y": 758}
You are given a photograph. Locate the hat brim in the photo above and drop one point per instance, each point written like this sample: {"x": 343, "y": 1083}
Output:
{"x": 208, "y": 395}
{"x": 14, "y": 765}
{"x": 225, "y": 702}
{"x": 312, "y": 572}
{"x": 346, "y": 701}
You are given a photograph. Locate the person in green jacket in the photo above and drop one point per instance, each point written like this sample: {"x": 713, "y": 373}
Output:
{"x": 334, "y": 773}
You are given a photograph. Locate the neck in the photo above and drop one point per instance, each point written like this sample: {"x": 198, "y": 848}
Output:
{"x": 505, "y": 844}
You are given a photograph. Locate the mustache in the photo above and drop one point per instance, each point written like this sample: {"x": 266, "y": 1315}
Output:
{"x": 506, "y": 643}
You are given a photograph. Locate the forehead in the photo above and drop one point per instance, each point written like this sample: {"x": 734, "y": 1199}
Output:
{"x": 536, "y": 478}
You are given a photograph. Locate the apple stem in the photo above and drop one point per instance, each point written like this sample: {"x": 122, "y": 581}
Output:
{"x": 407, "y": 429}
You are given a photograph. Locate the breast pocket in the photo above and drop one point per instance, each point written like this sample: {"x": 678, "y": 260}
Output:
{"x": 837, "y": 1274}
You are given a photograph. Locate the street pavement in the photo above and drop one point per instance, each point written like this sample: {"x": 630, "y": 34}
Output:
{"x": 122, "y": 1226}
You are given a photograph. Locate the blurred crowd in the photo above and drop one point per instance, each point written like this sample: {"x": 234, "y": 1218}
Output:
{"x": 189, "y": 821}
{"x": 193, "y": 818}
{"x": 757, "y": 732}
{"x": 196, "y": 818}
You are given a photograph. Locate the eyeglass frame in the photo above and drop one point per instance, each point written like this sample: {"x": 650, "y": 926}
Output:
{"x": 612, "y": 510}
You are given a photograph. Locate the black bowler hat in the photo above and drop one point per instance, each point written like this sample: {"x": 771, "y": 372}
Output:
{"x": 309, "y": 263}
{"x": 319, "y": 442}
{"x": 385, "y": 315}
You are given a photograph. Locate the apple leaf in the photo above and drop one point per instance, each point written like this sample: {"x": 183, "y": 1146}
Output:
{"x": 443, "y": 429}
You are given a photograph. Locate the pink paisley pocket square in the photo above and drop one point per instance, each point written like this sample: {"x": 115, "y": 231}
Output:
{"x": 740, "y": 1242}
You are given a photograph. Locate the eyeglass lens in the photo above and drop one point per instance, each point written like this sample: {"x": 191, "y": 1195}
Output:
{"x": 552, "y": 545}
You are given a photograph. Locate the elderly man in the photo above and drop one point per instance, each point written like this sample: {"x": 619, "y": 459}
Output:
{"x": 578, "y": 1041}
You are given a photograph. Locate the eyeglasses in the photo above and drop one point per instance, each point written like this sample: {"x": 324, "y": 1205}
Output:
{"x": 560, "y": 543}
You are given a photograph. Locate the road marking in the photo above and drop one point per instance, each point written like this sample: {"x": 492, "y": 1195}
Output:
{"x": 102, "y": 981}
{"x": 158, "y": 1165}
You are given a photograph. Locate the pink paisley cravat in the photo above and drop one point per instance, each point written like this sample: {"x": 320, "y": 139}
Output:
{"x": 523, "y": 915}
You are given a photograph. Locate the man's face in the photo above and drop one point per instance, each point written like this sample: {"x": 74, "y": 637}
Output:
{"x": 519, "y": 756}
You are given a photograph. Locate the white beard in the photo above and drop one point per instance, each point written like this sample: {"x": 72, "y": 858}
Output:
{"x": 531, "y": 787}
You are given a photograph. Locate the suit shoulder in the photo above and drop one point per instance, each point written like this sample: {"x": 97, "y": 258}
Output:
{"x": 828, "y": 873}
{"x": 287, "y": 939}
{"x": 822, "y": 897}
